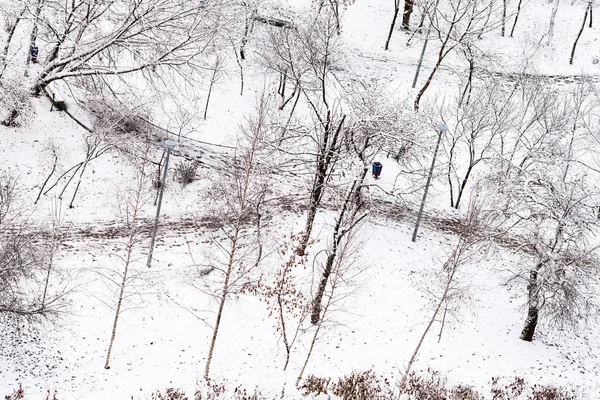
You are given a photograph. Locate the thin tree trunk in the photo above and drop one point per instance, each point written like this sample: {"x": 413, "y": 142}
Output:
{"x": 48, "y": 178}
{"x": 552, "y": 19}
{"x": 208, "y": 97}
{"x": 429, "y": 324}
{"x": 396, "y": 11}
{"x": 120, "y": 300}
{"x": 133, "y": 231}
{"x": 469, "y": 85}
{"x": 239, "y": 63}
{"x": 313, "y": 341}
{"x": 512, "y": 31}
{"x": 429, "y": 78}
{"x": 11, "y": 33}
{"x": 60, "y": 196}
{"x": 78, "y": 183}
{"x": 579, "y": 34}
{"x": 463, "y": 185}
{"x": 238, "y": 228}
{"x": 224, "y": 294}
{"x": 289, "y": 119}
{"x": 450, "y": 177}
{"x": 503, "y": 28}
{"x": 75, "y": 167}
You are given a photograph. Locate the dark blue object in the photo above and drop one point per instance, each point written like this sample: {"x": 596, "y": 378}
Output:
{"x": 34, "y": 54}
{"x": 377, "y": 167}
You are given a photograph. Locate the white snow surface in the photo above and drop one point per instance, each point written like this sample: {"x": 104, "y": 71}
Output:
{"x": 162, "y": 340}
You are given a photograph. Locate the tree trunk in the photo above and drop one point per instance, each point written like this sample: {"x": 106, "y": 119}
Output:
{"x": 463, "y": 185}
{"x": 213, "y": 340}
{"x": 532, "y": 305}
{"x": 469, "y": 85}
{"x": 133, "y": 232}
{"x": 430, "y": 77}
{"x": 241, "y": 212}
{"x": 326, "y": 155}
{"x": 512, "y": 31}
{"x": 503, "y": 29}
{"x": 552, "y": 19}
{"x": 450, "y": 181}
{"x": 579, "y": 34}
{"x": 408, "y": 9}
{"x": 396, "y": 10}
{"x": 208, "y": 98}
{"x": 338, "y": 235}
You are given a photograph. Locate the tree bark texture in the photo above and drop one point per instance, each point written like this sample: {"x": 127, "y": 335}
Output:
{"x": 408, "y": 9}
{"x": 396, "y": 11}
{"x": 533, "y": 305}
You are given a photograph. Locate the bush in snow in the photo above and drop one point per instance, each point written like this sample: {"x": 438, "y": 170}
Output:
{"x": 361, "y": 385}
{"x": 15, "y": 104}
{"x": 185, "y": 172}
{"x": 433, "y": 385}
{"x": 17, "y": 394}
{"x": 169, "y": 394}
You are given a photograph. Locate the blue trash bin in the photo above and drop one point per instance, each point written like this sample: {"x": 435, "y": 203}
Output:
{"x": 34, "y": 54}
{"x": 377, "y": 167}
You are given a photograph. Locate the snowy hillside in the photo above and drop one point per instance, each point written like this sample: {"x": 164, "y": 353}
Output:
{"x": 284, "y": 266}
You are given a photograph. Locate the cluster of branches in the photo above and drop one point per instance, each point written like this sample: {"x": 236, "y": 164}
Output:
{"x": 534, "y": 148}
{"x": 27, "y": 261}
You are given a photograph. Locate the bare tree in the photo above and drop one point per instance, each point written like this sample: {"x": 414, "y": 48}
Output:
{"x": 284, "y": 296}
{"x": 480, "y": 124}
{"x": 216, "y": 73}
{"x": 546, "y": 193}
{"x": 305, "y": 56}
{"x": 456, "y": 23}
{"x": 345, "y": 276}
{"x": 470, "y": 244}
{"x": 243, "y": 196}
{"x": 131, "y": 205}
{"x": 26, "y": 262}
{"x": 95, "y": 38}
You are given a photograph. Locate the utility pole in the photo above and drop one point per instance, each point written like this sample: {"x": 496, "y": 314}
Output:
{"x": 441, "y": 128}
{"x": 170, "y": 144}
{"x": 424, "y": 47}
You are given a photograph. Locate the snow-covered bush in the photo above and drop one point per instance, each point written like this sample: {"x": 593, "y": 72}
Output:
{"x": 169, "y": 394}
{"x": 15, "y": 104}
{"x": 185, "y": 172}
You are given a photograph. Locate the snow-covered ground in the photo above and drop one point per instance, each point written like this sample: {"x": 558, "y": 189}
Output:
{"x": 164, "y": 332}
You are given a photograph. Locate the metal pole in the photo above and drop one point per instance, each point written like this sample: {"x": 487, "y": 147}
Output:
{"x": 421, "y": 58}
{"x": 423, "y": 50}
{"x": 162, "y": 189}
{"x": 414, "y": 236}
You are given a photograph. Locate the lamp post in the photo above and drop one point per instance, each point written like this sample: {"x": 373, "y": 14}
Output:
{"x": 170, "y": 144}
{"x": 424, "y": 47}
{"x": 441, "y": 128}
